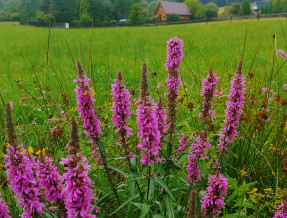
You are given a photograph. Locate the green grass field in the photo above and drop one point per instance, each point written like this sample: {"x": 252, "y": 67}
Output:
{"x": 253, "y": 158}
{"x": 216, "y": 45}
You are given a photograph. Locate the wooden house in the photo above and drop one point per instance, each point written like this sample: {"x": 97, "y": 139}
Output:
{"x": 164, "y": 9}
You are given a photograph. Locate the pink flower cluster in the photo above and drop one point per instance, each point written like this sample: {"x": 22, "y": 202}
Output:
{"x": 282, "y": 53}
{"x": 198, "y": 150}
{"x": 148, "y": 132}
{"x": 283, "y": 212}
{"x": 161, "y": 119}
{"x": 48, "y": 178}
{"x": 77, "y": 189}
{"x": 192, "y": 169}
{"x": 213, "y": 201}
{"x": 4, "y": 211}
{"x": 121, "y": 107}
{"x": 174, "y": 54}
{"x": 23, "y": 183}
{"x": 173, "y": 81}
{"x": 233, "y": 110}
{"x": 183, "y": 143}
{"x": 85, "y": 100}
{"x": 208, "y": 91}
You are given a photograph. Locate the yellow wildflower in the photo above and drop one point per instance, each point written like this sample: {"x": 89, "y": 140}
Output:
{"x": 85, "y": 94}
{"x": 254, "y": 190}
{"x": 23, "y": 151}
{"x": 93, "y": 92}
{"x": 243, "y": 172}
{"x": 100, "y": 166}
{"x": 30, "y": 150}
{"x": 106, "y": 104}
{"x": 130, "y": 146}
{"x": 106, "y": 116}
{"x": 18, "y": 126}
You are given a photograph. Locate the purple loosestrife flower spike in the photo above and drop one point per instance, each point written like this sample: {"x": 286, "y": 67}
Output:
{"x": 174, "y": 56}
{"x": 208, "y": 92}
{"x": 183, "y": 143}
{"x": 198, "y": 150}
{"x": 213, "y": 201}
{"x": 283, "y": 211}
{"x": 233, "y": 110}
{"x": 147, "y": 124}
{"x": 85, "y": 101}
{"x": 48, "y": 178}
{"x": 4, "y": 211}
{"x": 160, "y": 117}
{"x": 20, "y": 171}
{"x": 77, "y": 188}
{"x": 121, "y": 108}
{"x": 282, "y": 53}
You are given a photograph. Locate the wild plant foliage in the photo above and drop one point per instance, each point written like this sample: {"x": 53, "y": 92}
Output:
{"x": 136, "y": 155}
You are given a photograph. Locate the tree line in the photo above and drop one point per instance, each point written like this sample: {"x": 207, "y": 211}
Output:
{"x": 137, "y": 11}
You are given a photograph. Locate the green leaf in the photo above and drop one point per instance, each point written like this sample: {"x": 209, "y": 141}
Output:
{"x": 132, "y": 183}
{"x": 144, "y": 210}
{"x": 125, "y": 203}
{"x": 118, "y": 170}
{"x": 234, "y": 194}
{"x": 151, "y": 189}
{"x": 168, "y": 206}
{"x": 249, "y": 205}
{"x": 158, "y": 216}
{"x": 103, "y": 198}
{"x": 182, "y": 159}
{"x": 164, "y": 186}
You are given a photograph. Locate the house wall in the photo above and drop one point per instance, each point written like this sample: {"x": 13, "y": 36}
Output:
{"x": 161, "y": 13}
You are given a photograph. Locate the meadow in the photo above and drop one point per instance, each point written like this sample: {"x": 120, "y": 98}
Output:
{"x": 37, "y": 70}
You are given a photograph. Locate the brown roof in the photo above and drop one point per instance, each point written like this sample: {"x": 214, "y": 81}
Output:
{"x": 175, "y": 8}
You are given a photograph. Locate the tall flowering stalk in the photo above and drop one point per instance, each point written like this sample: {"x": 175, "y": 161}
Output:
{"x": 91, "y": 123}
{"x": 208, "y": 91}
{"x": 20, "y": 171}
{"x": 198, "y": 150}
{"x": 213, "y": 201}
{"x": 85, "y": 101}
{"x": 160, "y": 117}
{"x": 121, "y": 109}
{"x": 174, "y": 56}
{"x": 49, "y": 181}
{"x": 283, "y": 211}
{"x": 233, "y": 110}
{"x": 4, "y": 211}
{"x": 77, "y": 188}
{"x": 147, "y": 124}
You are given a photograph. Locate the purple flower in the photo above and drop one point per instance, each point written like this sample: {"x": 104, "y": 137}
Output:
{"x": 85, "y": 101}
{"x": 160, "y": 117}
{"x": 4, "y": 211}
{"x": 48, "y": 178}
{"x": 264, "y": 89}
{"x": 198, "y": 150}
{"x": 174, "y": 54}
{"x": 23, "y": 183}
{"x": 121, "y": 108}
{"x": 285, "y": 86}
{"x": 183, "y": 143}
{"x": 283, "y": 211}
{"x": 282, "y": 53}
{"x": 77, "y": 192}
{"x": 208, "y": 91}
{"x": 233, "y": 110}
{"x": 148, "y": 132}
{"x": 213, "y": 201}
{"x": 192, "y": 169}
